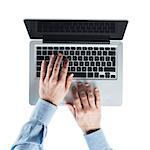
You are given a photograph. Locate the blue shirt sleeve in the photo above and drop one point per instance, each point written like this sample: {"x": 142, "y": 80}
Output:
{"x": 34, "y": 131}
{"x": 97, "y": 141}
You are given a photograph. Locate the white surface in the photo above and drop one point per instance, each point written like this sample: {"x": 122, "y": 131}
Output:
{"x": 126, "y": 127}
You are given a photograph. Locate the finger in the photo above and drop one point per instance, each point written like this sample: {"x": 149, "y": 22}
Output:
{"x": 56, "y": 67}
{"x": 97, "y": 96}
{"x": 50, "y": 66}
{"x": 84, "y": 100}
{"x": 91, "y": 97}
{"x": 69, "y": 81}
{"x": 76, "y": 98}
{"x": 64, "y": 70}
{"x": 43, "y": 70}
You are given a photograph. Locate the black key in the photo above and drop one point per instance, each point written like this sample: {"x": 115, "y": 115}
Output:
{"x": 83, "y": 68}
{"x": 100, "y": 69}
{"x": 81, "y": 63}
{"x": 103, "y": 63}
{"x": 77, "y": 53}
{"x": 38, "y": 52}
{"x": 110, "y": 69}
{"x": 50, "y": 48}
{"x": 99, "y": 52}
{"x": 71, "y": 52}
{"x": 101, "y": 58}
{"x": 113, "y": 48}
{"x": 70, "y": 63}
{"x": 46, "y": 57}
{"x": 75, "y": 63}
{"x": 85, "y": 58}
{"x": 112, "y": 58}
{"x": 38, "y": 48}
{"x": 107, "y": 75}
{"x": 79, "y": 74}
{"x": 65, "y": 52}
{"x": 44, "y": 48}
{"x": 113, "y": 63}
{"x": 96, "y": 74}
{"x": 101, "y": 48}
{"x": 55, "y": 48}
{"x": 92, "y": 63}
{"x": 69, "y": 57}
{"x": 107, "y": 48}
{"x": 55, "y": 52}
{"x": 38, "y": 63}
{"x": 86, "y": 63}
{"x": 93, "y": 52}
{"x": 38, "y": 74}
{"x": 109, "y": 63}
{"x": 82, "y": 52}
{"x": 98, "y": 63}
{"x": 67, "y": 48}
{"x": 91, "y": 58}
{"x": 89, "y": 68}
{"x": 61, "y": 48}
{"x": 104, "y": 52}
{"x": 96, "y": 58}
{"x": 84, "y": 48}
{"x": 69, "y": 68}
{"x": 78, "y": 68}
{"x": 112, "y": 53}
{"x": 101, "y": 76}
{"x": 113, "y": 76}
{"x": 90, "y": 48}
{"x": 95, "y": 48}
{"x": 90, "y": 74}
{"x": 88, "y": 53}
{"x": 38, "y": 68}
{"x": 61, "y": 52}
{"x": 80, "y": 58}
{"x": 44, "y": 52}
{"x": 49, "y": 52}
{"x": 78, "y": 48}
{"x": 94, "y": 68}
{"x": 73, "y": 48}
{"x": 40, "y": 57}
{"x": 74, "y": 57}
{"x": 72, "y": 68}
{"x": 107, "y": 58}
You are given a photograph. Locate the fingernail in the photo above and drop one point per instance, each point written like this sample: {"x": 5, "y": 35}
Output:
{"x": 86, "y": 84}
{"x": 79, "y": 83}
{"x": 72, "y": 75}
{"x": 96, "y": 89}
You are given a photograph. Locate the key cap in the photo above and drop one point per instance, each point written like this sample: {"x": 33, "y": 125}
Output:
{"x": 103, "y": 63}
{"x": 98, "y": 63}
{"x": 89, "y": 68}
{"x": 86, "y": 63}
{"x": 75, "y": 63}
{"x": 88, "y": 53}
{"x": 44, "y": 52}
{"x": 46, "y": 57}
{"x": 40, "y": 57}
{"x": 96, "y": 58}
{"x": 38, "y": 63}
{"x": 93, "y": 52}
{"x": 69, "y": 57}
{"x": 113, "y": 48}
{"x": 77, "y": 53}
{"x": 96, "y": 74}
{"x": 65, "y": 52}
{"x": 110, "y": 69}
{"x": 90, "y": 74}
{"x": 92, "y": 63}
{"x": 79, "y": 74}
{"x": 82, "y": 52}
{"x": 38, "y": 48}
{"x": 49, "y": 52}
{"x": 78, "y": 68}
{"x": 107, "y": 58}
{"x": 113, "y": 76}
{"x": 99, "y": 52}
{"x": 83, "y": 68}
{"x": 109, "y": 63}
{"x": 70, "y": 63}
{"x": 72, "y": 68}
{"x": 100, "y": 69}
{"x": 38, "y": 52}
{"x": 81, "y": 63}
{"x": 91, "y": 58}
{"x": 94, "y": 68}
{"x": 80, "y": 58}
{"x": 74, "y": 57}
{"x": 71, "y": 52}
{"x": 112, "y": 53}
{"x": 104, "y": 53}
{"x": 38, "y": 68}
{"x": 85, "y": 58}
{"x": 38, "y": 74}
{"x": 101, "y": 58}
{"x": 101, "y": 76}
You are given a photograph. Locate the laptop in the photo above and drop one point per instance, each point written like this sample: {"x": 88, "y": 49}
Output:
{"x": 94, "y": 50}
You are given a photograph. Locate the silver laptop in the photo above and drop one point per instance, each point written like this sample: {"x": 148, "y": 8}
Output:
{"x": 94, "y": 50}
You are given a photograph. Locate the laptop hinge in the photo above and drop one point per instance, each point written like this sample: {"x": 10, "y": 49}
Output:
{"x": 74, "y": 39}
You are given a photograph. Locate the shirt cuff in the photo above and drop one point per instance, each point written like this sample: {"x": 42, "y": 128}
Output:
{"x": 96, "y": 140}
{"x": 43, "y": 111}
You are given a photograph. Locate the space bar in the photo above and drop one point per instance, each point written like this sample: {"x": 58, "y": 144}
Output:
{"x": 79, "y": 74}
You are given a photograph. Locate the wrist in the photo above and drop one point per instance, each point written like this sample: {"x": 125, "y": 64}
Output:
{"x": 91, "y": 131}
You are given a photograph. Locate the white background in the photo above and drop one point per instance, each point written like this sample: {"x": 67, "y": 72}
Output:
{"x": 126, "y": 127}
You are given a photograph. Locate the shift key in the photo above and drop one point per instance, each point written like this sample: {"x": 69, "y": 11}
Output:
{"x": 79, "y": 74}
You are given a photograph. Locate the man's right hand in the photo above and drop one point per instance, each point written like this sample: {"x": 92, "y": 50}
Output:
{"x": 86, "y": 107}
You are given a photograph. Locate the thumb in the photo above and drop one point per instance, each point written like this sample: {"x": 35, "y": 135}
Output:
{"x": 71, "y": 108}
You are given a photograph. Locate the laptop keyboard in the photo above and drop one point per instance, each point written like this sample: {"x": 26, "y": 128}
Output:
{"x": 85, "y": 62}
